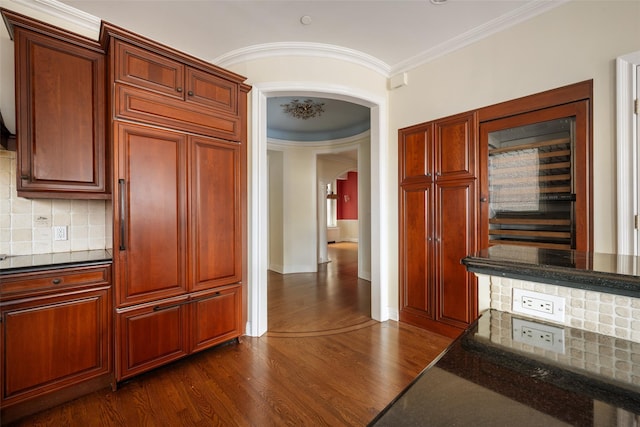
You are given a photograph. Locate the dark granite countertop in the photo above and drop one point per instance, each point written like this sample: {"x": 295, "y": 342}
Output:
{"x": 610, "y": 273}
{"x": 493, "y": 375}
{"x": 26, "y": 263}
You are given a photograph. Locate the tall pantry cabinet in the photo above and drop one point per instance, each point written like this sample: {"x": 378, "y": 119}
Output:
{"x": 179, "y": 144}
{"x": 438, "y": 223}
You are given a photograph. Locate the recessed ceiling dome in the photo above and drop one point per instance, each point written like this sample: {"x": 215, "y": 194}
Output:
{"x": 336, "y": 120}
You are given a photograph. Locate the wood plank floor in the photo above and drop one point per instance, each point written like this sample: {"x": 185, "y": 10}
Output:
{"x": 323, "y": 364}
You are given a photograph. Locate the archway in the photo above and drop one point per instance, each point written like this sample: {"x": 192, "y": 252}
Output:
{"x": 257, "y": 191}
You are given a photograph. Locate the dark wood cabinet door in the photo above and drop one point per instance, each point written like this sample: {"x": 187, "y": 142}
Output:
{"x": 216, "y": 317}
{"x": 416, "y": 153}
{"x": 216, "y": 227}
{"x": 214, "y": 92}
{"x": 149, "y": 214}
{"x": 456, "y": 146}
{"x": 140, "y": 67}
{"x": 455, "y": 236}
{"x": 416, "y": 257}
{"x": 54, "y": 342}
{"x": 61, "y": 98}
{"x": 151, "y": 335}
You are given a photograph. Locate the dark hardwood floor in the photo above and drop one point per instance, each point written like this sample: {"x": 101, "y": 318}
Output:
{"x": 324, "y": 362}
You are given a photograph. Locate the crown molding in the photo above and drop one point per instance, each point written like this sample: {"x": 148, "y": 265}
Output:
{"x": 344, "y": 143}
{"x": 62, "y": 11}
{"x": 501, "y": 23}
{"x": 267, "y": 50}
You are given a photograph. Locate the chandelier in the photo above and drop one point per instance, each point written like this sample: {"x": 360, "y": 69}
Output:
{"x": 303, "y": 110}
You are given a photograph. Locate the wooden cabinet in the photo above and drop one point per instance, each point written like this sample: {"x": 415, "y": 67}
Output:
{"x": 56, "y": 336}
{"x": 159, "y": 73}
{"x": 180, "y": 180}
{"x": 60, "y": 112}
{"x": 150, "y": 335}
{"x": 537, "y": 170}
{"x": 438, "y": 223}
{"x": 151, "y": 234}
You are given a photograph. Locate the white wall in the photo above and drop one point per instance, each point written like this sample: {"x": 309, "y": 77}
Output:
{"x": 577, "y": 41}
{"x": 275, "y": 232}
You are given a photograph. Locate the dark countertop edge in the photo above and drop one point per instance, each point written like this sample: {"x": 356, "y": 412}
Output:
{"x": 105, "y": 258}
{"x": 590, "y": 280}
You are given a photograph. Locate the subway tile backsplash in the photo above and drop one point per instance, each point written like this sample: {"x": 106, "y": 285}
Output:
{"x": 26, "y": 225}
{"x": 603, "y": 313}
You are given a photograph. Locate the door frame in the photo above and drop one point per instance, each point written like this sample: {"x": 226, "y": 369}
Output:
{"x": 257, "y": 179}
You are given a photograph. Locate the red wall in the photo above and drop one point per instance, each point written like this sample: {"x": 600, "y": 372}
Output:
{"x": 348, "y": 197}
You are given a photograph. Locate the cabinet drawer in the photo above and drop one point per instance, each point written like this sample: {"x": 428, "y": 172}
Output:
{"x": 150, "y": 335}
{"x": 143, "y": 106}
{"x": 53, "y": 280}
{"x": 142, "y": 68}
{"x": 216, "y": 317}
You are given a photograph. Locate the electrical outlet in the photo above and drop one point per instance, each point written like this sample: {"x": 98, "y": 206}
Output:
{"x": 550, "y": 307}
{"x": 60, "y": 232}
{"x": 538, "y": 335}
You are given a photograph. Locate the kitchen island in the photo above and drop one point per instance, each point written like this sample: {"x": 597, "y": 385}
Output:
{"x": 492, "y": 375}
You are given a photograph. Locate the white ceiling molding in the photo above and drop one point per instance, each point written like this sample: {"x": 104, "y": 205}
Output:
{"x": 62, "y": 11}
{"x": 519, "y": 15}
{"x": 267, "y": 50}
{"x": 334, "y": 143}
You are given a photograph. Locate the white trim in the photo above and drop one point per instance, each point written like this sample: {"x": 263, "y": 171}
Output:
{"x": 63, "y": 11}
{"x": 258, "y": 227}
{"x": 267, "y": 50}
{"x": 627, "y": 155}
{"x": 517, "y": 16}
{"x": 328, "y": 144}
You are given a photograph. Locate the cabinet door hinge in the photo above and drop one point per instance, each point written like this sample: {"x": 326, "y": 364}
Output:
{"x": 635, "y": 220}
{"x": 635, "y": 106}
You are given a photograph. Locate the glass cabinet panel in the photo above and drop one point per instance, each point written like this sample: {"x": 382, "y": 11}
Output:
{"x": 536, "y": 178}
{"x": 530, "y": 185}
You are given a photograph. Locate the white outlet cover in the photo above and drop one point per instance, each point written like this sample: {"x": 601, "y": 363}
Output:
{"x": 538, "y": 335}
{"x": 557, "y": 314}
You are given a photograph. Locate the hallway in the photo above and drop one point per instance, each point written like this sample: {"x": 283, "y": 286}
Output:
{"x": 334, "y": 300}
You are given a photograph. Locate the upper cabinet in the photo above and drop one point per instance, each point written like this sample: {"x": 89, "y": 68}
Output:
{"x": 154, "y": 87}
{"x": 60, "y": 112}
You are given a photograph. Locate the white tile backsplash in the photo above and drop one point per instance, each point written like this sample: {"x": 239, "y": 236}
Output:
{"x": 26, "y": 224}
{"x": 607, "y": 314}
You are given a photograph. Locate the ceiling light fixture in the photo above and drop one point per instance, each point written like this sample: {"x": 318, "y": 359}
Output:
{"x": 303, "y": 110}
{"x": 438, "y": 2}
{"x": 305, "y": 20}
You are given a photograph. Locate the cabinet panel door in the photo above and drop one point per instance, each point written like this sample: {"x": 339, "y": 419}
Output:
{"x": 456, "y": 238}
{"x": 456, "y": 146}
{"x": 142, "y": 68}
{"x": 150, "y": 336}
{"x": 216, "y": 317}
{"x": 149, "y": 214}
{"x": 53, "y": 342}
{"x": 215, "y": 213}
{"x": 61, "y": 95}
{"x": 416, "y": 153}
{"x": 207, "y": 89}
{"x": 416, "y": 265}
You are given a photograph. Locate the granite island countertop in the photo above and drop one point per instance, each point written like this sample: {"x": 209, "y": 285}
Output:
{"x": 609, "y": 273}
{"x": 56, "y": 260}
{"x": 493, "y": 376}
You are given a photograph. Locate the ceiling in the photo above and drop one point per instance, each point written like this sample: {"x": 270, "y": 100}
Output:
{"x": 389, "y": 36}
